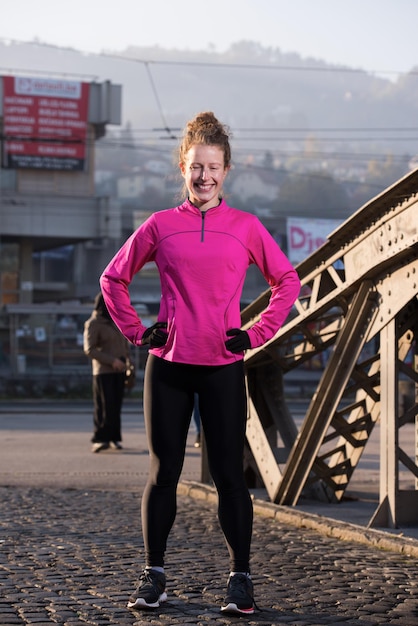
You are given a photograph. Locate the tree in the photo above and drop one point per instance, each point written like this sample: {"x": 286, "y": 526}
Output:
{"x": 380, "y": 175}
{"x": 312, "y": 195}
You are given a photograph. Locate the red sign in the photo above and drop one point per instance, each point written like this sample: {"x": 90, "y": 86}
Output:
{"x": 45, "y": 123}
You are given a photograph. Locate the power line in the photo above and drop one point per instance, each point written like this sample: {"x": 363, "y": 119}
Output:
{"x": 170, "y": 132}
{"x": 327, "y": 139}
{"x": 280, "y": 134}
{"x": 116, "y": 143}
{"x": 330, "y": 129}
{"x": 286, "y": 139}
{"x": 260, "y": 66}
{"x": 219, "y": 64}
{"x": 346, "y": 156}
{"x": 307, "y": 129}
{"x": 122, "y": 143}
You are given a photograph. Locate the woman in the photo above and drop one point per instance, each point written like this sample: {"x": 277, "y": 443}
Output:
{"x": 202, "y": 249}
{"x": 108, "y": 350}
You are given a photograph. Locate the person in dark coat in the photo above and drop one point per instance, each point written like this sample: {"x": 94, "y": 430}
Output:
{"x": 108, "y": 350}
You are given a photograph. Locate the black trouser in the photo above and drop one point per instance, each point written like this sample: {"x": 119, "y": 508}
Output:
{"x": 168, "y": 405}
{"x": 108, "y": 390}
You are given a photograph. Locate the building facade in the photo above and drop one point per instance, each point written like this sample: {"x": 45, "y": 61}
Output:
{"x": 48, "y": 203}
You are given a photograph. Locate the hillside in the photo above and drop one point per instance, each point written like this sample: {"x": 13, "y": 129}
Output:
{"x": 250, "y": 87}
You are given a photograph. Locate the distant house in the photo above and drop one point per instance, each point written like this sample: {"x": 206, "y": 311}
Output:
{"x": 249, "y": 182}
{"x": 160, "y": 167}
{"x": 136, "y": 182}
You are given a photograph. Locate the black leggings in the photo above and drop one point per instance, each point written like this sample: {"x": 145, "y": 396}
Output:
{"x": 168, "y": 405}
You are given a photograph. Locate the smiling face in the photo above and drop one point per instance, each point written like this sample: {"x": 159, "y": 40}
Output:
{"x": 204, "y": 172}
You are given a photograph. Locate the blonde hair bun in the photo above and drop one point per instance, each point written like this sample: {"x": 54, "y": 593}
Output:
{"x": 206, "y": 129}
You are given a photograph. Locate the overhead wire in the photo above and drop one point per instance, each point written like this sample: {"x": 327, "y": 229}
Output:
{"x": 170, "y": 131}
{"x": 257, "y": 66}
{"x": 246, "y": 66}
{"x": 219, "y": 64}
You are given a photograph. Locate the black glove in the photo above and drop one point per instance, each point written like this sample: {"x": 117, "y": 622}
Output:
{"x": 154, "y": 336}
{"x": 240, "y": 340}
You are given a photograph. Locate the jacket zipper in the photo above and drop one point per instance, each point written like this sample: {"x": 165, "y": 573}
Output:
{"x": 202, "y": 232}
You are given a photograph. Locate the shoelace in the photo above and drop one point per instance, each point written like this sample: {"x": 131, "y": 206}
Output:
{"x": 147, "y": 578}
{"x": 238, "y": 584}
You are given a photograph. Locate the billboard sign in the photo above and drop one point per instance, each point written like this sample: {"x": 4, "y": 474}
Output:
{"x": 305, "y": 235}
{"x": 45, "y": 123}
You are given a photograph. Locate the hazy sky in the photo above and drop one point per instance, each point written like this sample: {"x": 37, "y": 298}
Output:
{"x": 368, "y": 34}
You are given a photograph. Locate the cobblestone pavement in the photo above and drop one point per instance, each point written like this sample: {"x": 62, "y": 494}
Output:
{"x": 72, "y": 556}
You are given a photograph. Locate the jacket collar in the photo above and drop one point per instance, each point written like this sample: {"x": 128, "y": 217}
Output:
{"x": 190, "y": 207}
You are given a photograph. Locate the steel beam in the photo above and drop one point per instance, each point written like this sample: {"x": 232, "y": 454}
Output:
{"x": 375, "y": 251}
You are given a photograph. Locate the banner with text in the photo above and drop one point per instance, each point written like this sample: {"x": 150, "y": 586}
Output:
{"x": 45, "y": 123}
{"x": 305, "y": 235}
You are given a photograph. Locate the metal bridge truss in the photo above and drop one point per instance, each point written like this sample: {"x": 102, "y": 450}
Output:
{"x": 358, "y": 310}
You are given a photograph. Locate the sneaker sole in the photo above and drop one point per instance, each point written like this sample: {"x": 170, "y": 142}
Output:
{"x": 100, "y": 448}
{"x": 233, "y": 609}
{"x": 140, "y": 603}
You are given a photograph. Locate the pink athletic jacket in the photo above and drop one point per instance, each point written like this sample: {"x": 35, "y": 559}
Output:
{"x": 202, "y": 258}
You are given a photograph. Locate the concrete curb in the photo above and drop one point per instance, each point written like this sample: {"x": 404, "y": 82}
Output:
{"x": 323, "y": 525}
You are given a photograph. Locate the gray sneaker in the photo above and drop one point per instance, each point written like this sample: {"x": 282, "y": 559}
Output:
{"x": 150, "y": 591}
{"x": 239, "y": 599}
